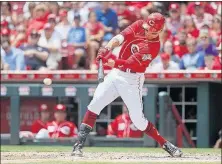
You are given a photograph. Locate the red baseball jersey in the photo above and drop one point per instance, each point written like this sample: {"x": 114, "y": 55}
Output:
{"x": 37, "y": 126}
{"x": 136, "y": 52}
{"x": 122, "y": 127}
{"x": 63, "y": 129}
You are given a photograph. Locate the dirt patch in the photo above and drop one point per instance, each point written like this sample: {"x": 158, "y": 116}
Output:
{"x": 27, "y": 157}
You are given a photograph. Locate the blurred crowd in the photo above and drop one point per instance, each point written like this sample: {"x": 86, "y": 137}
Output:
{"x": 67, "y": 35}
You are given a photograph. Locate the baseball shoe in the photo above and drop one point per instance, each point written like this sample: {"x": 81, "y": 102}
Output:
{"x": 172, "y": 150}
{"x": 84, "y": 131}
{"x": 77, "y": 150}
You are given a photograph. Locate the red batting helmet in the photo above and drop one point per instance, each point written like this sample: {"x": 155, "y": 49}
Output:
{"x": 155, "y": 22}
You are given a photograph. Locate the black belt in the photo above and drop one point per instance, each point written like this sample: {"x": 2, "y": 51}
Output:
{"x": 128, "y": 70}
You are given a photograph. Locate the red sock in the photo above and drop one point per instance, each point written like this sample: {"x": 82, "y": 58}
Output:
{"x": 89, "y": 118}
{"x": 153, "y": 133}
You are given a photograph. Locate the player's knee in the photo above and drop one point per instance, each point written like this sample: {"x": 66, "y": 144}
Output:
{"x": 140, "y": 125}
{"x": 139, "y": 121}
{"x": 96, "y": 106}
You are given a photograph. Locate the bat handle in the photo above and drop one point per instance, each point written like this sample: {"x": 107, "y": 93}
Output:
{"x": 101, "y": 78}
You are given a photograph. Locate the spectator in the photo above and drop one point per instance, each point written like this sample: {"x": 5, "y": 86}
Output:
{"x": 53, "y": 7}
{"x": 206, "y": 44}
{"x": 64, "y": 26}
{"x": 174, "y": 22}
{"x": 67, "y": 6}
{"x": 19, "y": 36}
{"x": 28, "y": 9}
{"x": 200, "y": 17}
{"x": 168, "y": 48}
{"x": 12, "y": 56}
{"x": 17, "y": 14}
{"x": 218, "y": 6}
{"x": 215, "y": 31}
{"x": 81, "y": 65}
{"x": 217, "y": 64}
{"x": 6, "y": 11}
{"x": 4, "y": 66}
{"x": 190, "y": 27}
{"x": 51, "y": 40}
{"x": 37, "y": 22}
{"x": 60, "y": 127}
{"x": 206, "y": 6}
{"x": 35, "y": 55}
{"x": 96, "y": 32}
{"x": 125, "y": 16}
{"x": 5, "y": 33}
{"x": 78, "y": 37}
{"x": 52, "y": 20}
{"x": 122, "y": 127}
{"x": 164, "y": 36}
{"x": 211, "y": 62}
{"x": 165, "y": 64}
{"x": 42, "y": 122}
{"x": 193, "y": 59}
{"x": 219, "y": 48}
{"x": 180, "y": 47}
{"x": 78, "y": 10}
{"x": 4, "y": 24}
{"x": 109, "y": 19}
{"x": 136, "y": 4}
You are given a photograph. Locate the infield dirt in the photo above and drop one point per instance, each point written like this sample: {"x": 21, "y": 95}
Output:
{"x": 105, "y": 158}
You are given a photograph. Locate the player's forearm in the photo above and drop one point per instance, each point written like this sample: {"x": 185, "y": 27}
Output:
{"x": 115, "y": 42}
{"x": 131, "y": 63}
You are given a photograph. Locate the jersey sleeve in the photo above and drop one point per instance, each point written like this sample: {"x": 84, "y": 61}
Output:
{"x": 130, "y": 30}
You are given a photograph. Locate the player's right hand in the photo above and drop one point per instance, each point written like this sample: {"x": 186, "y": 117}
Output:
{"x": 103, "y": 58}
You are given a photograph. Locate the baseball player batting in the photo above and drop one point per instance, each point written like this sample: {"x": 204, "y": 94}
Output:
{"x": 140, "y": 45}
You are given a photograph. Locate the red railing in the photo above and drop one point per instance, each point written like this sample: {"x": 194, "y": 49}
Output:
{"x": 88, "y": 75}
{"x": 181, "y": 129}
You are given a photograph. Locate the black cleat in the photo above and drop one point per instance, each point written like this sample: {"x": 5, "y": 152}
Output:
{"x": 84, "y": 131}
{"x": 172, "y": 150}
{"x": 77, "y": 150}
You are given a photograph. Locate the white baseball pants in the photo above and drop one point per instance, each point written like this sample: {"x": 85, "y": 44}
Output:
{"x": 129, "y": 87}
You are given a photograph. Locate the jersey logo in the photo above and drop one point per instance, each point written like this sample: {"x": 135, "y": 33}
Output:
{"x": 147, "y": 57}
{"x": 135, "y": 48}
{"x": 151, "y": 22}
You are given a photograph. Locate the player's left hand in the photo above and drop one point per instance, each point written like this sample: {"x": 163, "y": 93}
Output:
{"x": 110, "y": 63}
{"x": 103, "y": 51}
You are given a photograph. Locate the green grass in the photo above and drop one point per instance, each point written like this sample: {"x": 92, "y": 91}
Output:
{"x": 27, "y": 148}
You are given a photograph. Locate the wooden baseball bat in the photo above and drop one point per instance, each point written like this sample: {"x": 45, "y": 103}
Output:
{"x": 100, "y": 72}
